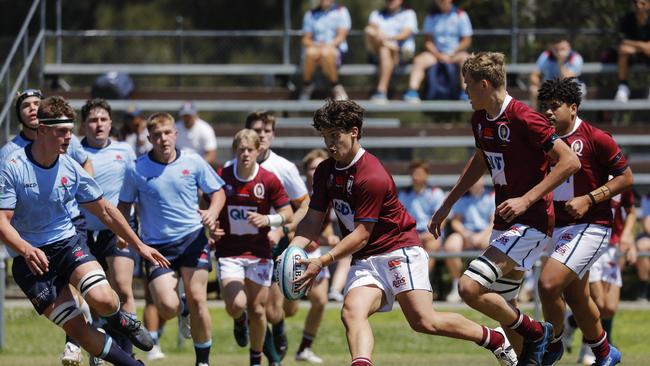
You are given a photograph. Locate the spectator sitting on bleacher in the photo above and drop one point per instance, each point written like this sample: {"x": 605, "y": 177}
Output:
{"x": 390, "y": 41}
{"x": 195, "y": 134}
{"x": 421, "y": 202}
{"x": 134, "y": 131}
{"x": 471, "y": 224}
{"x": 643, "y": 245}
{"x": 559, "y": 61}
{"x": 448, "y": 35}
{"x": 324, "y": 31}
{"x": 635, "y": 33}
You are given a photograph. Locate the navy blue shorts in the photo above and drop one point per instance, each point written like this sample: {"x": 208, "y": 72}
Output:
{"x": 102, "y": 245}
{"x": 81, "y": 227}
{"x": 190, "y": 251}
{"x": 64, "y": 256}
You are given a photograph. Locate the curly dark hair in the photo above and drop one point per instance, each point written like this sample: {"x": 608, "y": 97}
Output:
{"x": 54, "y": 107}
{"x": 339, "y": 114}
{"x": 92, "y": 104}
{"x": 565, "y": 90}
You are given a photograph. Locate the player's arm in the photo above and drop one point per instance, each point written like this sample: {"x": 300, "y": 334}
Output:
{"x": 300, "y": 206}
{"x": 308, "y": 228}
{"x": 210, "y": 156}
{"x": 283, "y": 215}
{"x": 351, "y": 243}
{"x": 567, "y": 165}
{"x": 217, "y": 202}
{"x": 464, "y": 44}
{"x": 627, "y": 236}
{"x": 34, "y": 257}
{"x": 115, "y": 221}
{"x": 473, "y": 171}
{"x": 577, "y": 207}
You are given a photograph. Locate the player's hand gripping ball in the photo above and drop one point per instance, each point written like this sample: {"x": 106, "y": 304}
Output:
{"x": 290, "y": 268}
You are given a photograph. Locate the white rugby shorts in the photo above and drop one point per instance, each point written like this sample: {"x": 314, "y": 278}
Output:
{"x": 258, "y": 270}
{"x": 394, "y": 272}
{"x": 521, "y": 243}
{"x": 606, "y": 269}
{"x": 579, "y": 246}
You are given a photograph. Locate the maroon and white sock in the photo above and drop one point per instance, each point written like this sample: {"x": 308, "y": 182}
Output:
{"x": 600, "y": 346}
{"x": 491, "y": 339}
{"x": 361, "y": 361}
{"x": 556, "y": 343}
{"x": 527, "y": 327}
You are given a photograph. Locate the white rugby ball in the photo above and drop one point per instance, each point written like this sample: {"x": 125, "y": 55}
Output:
{"x": 288, "y": 269}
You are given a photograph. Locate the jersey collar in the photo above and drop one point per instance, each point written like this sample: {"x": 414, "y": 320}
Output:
{"x": 576, "y": 125}
{"x": 28, "y": 152}
{"x": 506, "y": 101}
{"x": 150, "y": 156}
{"x": 354, "y": 161}
{"x": 243, "y": 180}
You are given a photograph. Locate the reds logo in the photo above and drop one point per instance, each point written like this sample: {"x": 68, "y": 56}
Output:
{"x": 258, "y": 190}
{"x": 577, "y": 147}
{"x": 566, "y": 237}
{"x": 561, "y": 249}
{"x": 399, "y": 280}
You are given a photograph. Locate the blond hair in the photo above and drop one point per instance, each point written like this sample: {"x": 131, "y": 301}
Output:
{"x": 313, "y": 155}
{"x": 488, "y": 66}
{"x": 247, "y": 135}
{"x": 159, "y": 119}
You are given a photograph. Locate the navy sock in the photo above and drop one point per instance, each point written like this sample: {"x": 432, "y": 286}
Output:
{"x": 269, "y": 348}
{"x": 184, "y": 309}
{"x": 115, "y": 355}
{"x": 255, "y": 358}
{"x": 607, "y": 326}
{"x": 202, "y": 351}
{"x": 278, "y": 329}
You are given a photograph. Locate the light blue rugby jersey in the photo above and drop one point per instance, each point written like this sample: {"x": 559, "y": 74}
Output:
{"x": 110, "y": 164}
{"x": 421, "y": 205}
{"x": 167, "y": 195}
{"x": 474, "y": 212}
{"x": 75, "y": 151}
{"x": 40, "y": 197}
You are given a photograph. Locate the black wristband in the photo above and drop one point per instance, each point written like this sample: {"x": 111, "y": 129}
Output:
{"x": 592, "y": 198}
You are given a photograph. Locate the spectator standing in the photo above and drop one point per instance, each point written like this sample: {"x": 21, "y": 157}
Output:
{"x": 134, "y": 133}
{"x": 471, "y": 223}
{"x": 448, "y": 35}
{"x": 559, "y": 61}
{"x": 634, "y": 27}
{"x": 643, "y": 245}
{"x": 196, "y": 135}
{"x": 325, "y": 29}
{"x": 389, "y": 39}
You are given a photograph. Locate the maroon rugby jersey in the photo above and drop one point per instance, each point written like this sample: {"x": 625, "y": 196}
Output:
{"x": 600, "y": 157}
{"x": 514, "y": 146}
{"x": 620, "y": 203}
{"x": 259, "y": 194}
{"x": 364, "y": 191}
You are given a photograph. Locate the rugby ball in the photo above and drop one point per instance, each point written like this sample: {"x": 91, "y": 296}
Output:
{"x": 288, "y": 269}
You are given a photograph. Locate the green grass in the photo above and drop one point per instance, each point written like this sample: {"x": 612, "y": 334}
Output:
{"x": 33, "y": 341}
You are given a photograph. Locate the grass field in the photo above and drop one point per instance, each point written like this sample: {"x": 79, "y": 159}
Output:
{"x": 34, "y": 341}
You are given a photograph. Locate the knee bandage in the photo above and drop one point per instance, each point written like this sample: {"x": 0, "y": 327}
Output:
{"x": 483, "y": 271}
{"x": 507, "y": 288}
{"x": 64, "y": 312}
{"x": 90, "y": 280}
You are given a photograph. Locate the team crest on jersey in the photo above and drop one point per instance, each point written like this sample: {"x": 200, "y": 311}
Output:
{"x": 229, "y": 190}
{"x": 118, "y": 157}
{"x": 185, "y": 172}
{"x": 577, "y": 147}
{"x": 64, "y": 181}
{"x": 503, "y": 131}
{"x": 258, "y": 190}
{"x": 348, "y": 185}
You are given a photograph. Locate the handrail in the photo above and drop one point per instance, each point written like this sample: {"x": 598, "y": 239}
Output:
{"x": 19, "y": 37}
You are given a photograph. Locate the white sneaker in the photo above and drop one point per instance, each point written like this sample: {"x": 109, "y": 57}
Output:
{"x": 623, "y": 93}
{"x": 184, "y": 327}
{"x": 586, "y": 356}
{"x": 505, "y": 354}
{"x": 454, "y": 297}
{"x": 203, "y": 364}
{"x": 567, "y": 338}
{"x": 156, "y": 353}
{"x": 71, "y": 355}
{"x": 339, "y": 92}
{"x": 308, "y": 355}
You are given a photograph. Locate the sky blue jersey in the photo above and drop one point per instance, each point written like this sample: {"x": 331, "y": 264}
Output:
{"x": 110, "y": 164}
{"x": 167, "y": 195}
{"x": 41, "y": 196}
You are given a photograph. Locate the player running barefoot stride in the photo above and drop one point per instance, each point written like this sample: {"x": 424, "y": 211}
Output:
{"x": 512, "y": 142}
{"x": 37, "y": 183}
{"x": 582, "y": 222}
{"x": 388, "y": 260}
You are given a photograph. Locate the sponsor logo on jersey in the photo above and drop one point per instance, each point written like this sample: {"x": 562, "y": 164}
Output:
{"x": 339, "y": 180}
{"x": 258, "y": 190}
{"x": 488, "y": 133}
{"x": 503, "y": 131}
{"x": 27, "y": 185}
{"x": 348, "y": 186}
{"x": 566, "y": 237}
{"x": 577, "y": 146}
{"x": 79, "y": 253}
{"x": 398, "y": 280}
{"x": 203, "y": 258}
{"x": 503, "y": 240}
{"x": 393, "y": 264}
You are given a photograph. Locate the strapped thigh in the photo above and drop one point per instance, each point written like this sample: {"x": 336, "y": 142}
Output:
{"x": 91, "y": 279}
{"x": 64, "y": 312}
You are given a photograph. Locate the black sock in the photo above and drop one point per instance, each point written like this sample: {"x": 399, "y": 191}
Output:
{"x": 622, "y": 82}
{"x": 69, "y": 339}
{"x": 115, "y": 355}
{"x": 255, "y": 358}
{"x": 278, "y": 329}
{"x": 202, "y": 351}
{"x": 269, "y": 348}
{"x": 643, "y": 289}
{"x": 572, "y": 321}
{"x": 607, "y": 326}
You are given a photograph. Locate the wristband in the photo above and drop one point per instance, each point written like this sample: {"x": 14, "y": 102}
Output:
{"x": 592, "y": 198}
{"x": 275, "y": 220}
{"x": 332, "y": 255}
